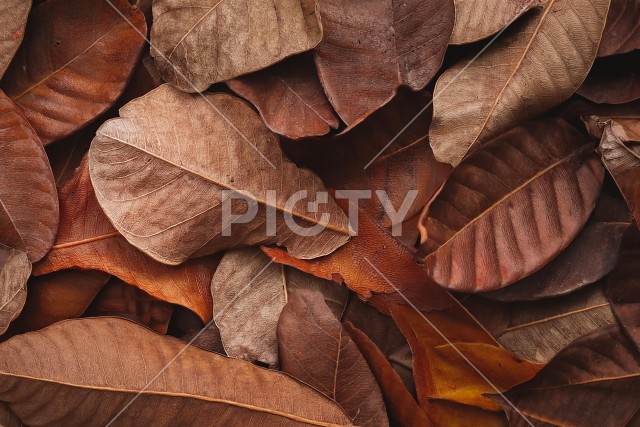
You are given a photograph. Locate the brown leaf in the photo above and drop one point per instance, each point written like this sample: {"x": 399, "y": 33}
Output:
{"x": 590, "y": 257}
{"x": 315, "y": 348}
{"x": 57, "y": 296}
{"x": 198, "y": 43}
{"x": 13, "y": 18}
{"x": 476, "y": 20}
{"x": 289, "y": 97}
{"x": 370, "y": 48}
{"x": 595, "y": 381}
{"x": 403, "y": 409}
{"x": 120, "y": 299}
{"x": 76, "y": 60}
{"x": 186, "y": 151}
{"x": 104, "y": 362}
{"x": 622, "y": 32}
{"x": 87, "y": 240}
{"x": 623, "y": 286}
{"x": 614, "y": 80}
{"x": 620, "y": 152}
{"x": 29, "y": 210}
{"x": 510, "y": 81}
{"x": 511, "y": 207}
{"x": 14, "y": 272}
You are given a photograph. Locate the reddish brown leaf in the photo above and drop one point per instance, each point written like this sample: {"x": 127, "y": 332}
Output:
{"x": 622, "y": 32}
{"x": 289, "y": 98}
{"x": 75, "y": 61}
{"x": 372, "y": 47}
{"x": 614, "y": 80}
{"x": 87, "y": 240}
{"x": 315, "y": 348}
{"x": 510, "y": 207}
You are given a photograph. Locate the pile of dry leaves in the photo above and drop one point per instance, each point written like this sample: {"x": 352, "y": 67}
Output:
{"x": 320, "y": 212}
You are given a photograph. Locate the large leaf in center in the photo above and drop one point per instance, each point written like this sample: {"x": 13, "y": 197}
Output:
{"x": 159, "y": 172}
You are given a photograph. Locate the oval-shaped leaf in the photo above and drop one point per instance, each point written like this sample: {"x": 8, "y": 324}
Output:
{"x": 622, "y": 32}
{"x": 164, "y": 171}
{"x": 533, "y": 66}
{"x": 511, "y": 207}
{"x": 74, "y": 63}
{"x": 614, "y": 80}
{"x": 13, "y": 18}
{"x": 15, "y": 269}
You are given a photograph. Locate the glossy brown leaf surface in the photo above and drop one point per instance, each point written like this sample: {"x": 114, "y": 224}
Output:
{"x": 622, "y": 32}
{"x": 593, "y": 382}
{"x": 290, "y": 98}
{"x": 29, "y": 211}
{"x": 316, "y": 349}
{"x": 614, "y": 80}
{"x": 14, "y": 272}
{"x": 13, "y": 19}
{"x": 198, "y": 43}
{"x": 370, "y": 48}
{"x": 510, "y": 207}
{"x": 104, "y": 362}
{"x": 510, "y": 81}
{"x": 623, "y": 287}
{"x": 477, "y": 19}
{"x": 74, "y": 63}
{"x": 87, "y": 240}
{"x": 196, "y": 148}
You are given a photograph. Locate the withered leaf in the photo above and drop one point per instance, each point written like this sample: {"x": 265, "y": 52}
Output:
{"x": 74, "y": 63}
{"x": 29, "y": 211}
{"x": 536, "y": 64}
{"x": 370, "y": 48}
{"x": 478, "y": 19}
{"x": 164, "y": 170}
{"x": 622, "y": 32}
{"x": 104, "y": 362}
{"x": 197, "y": 43}
{"x": 315, "y": 348}
{"x": 614, "y": 80}
{"x": 510, "y": 207}
{"x": 13, "y": 18}
{"x": 289, "y": 97}
{"x": 87, "y": 240}
{"x": 595, "y": 381}
{"x": 14, "y": 272}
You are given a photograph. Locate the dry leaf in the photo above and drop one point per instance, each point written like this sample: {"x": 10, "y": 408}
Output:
{"x": 536, "y": 64}
{"x": 96, "y": 366}
{"x": 14, "y": 272}
{"x": 289, "y": 97}
{"x": 13, "y": 19}
{"x": 622, "y": 32}
{"x": 372, "y": 47}
{"x": 510, "y": 207}
{"x": 74, "y": 63}
{"x": 29, "y": 210}
{"x": 87, "y": 240}
{"x": 197, "y": 43}
{"x": 614, "y": 80}
{"x": 315, "y": 348}
{"x": 195, "y": 147}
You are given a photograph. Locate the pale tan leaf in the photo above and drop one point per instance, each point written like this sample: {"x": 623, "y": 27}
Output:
{"x": 13, "y": 18}
{"x": 15, "y": 269}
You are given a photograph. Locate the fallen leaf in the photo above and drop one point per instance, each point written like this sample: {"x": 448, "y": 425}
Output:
{"x": 289, "y": 97}
{"x": 198, "y": 43}
{"x": 510, "y": 81}
{"x": 120, "y": 299}
{"x": 14, "y": 272}
{"x": 87, "y": 240}
{"x": 622, "y": 32}
{"x": 590, "y": 257}
{"x": 595, "y": 381}
{"x": 370, "y": 48}
{"x": 13, "y": 19}
{"x": 473, "y": 24}
{"x": 29, "y": 210}
{"x": 623, "y": 286}
{"x": 195, "y": 147}
{"x": 75, "y": 61}
{"x": 315, "y": 348}
{"x": 106, "y": 362}
{"x": 510, "y": 207}
{"x": 614, "y": 80}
